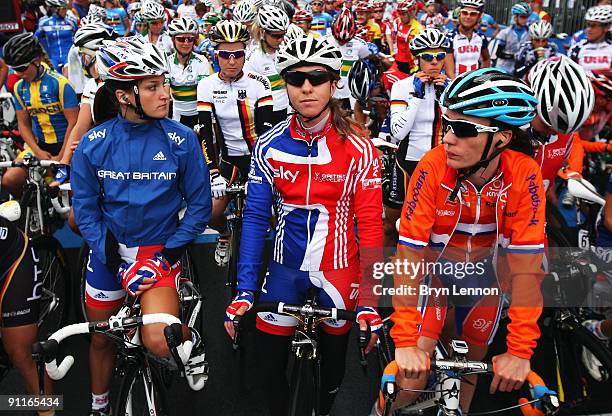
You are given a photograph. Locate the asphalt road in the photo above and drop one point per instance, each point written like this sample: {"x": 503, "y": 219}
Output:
{"x": 233, "y": 388}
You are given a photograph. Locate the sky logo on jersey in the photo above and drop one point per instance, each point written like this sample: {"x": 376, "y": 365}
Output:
{"x": 286, "y": 174}
{"x": 176, "y": 138}
{"x": 100, "y": 134}
{"x": 411, "y": 206}
{"x": 535, "y": 198}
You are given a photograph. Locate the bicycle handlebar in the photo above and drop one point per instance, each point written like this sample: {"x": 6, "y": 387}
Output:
{"x": 306, "y": 310}
{"x": 545, "y": 398}
{"x": 29, "y": 164}
{"x": 50, "y": 347}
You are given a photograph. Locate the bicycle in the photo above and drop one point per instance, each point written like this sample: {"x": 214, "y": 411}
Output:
{"x": 237, "y": 194}
{"x": 39, "y": 219}
{"x": 387, "y": 160}
{"x": 304, "y": 390}
{"x": 444, "y": 393}
{"x": 143, "y": 384}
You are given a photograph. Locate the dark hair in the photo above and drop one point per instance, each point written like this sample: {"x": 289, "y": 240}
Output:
{"x": 520, "y": 141}
{"x": 343, "y": 122}
{"x": 105, "y": 105}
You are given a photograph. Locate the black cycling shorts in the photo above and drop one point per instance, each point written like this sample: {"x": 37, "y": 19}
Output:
{"x": 400, "y": 176}
{"x": 189, "y": 121}
{"x": 19, "y": 298}
{"x": 53, "y": 148}
{"x": 234, "y": 168}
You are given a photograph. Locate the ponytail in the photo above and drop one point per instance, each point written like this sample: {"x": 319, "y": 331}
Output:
{"x": 345, "y": 125}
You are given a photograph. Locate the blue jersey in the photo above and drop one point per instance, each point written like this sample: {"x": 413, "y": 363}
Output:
{"x": 115, "y": 18}
{"x": 206, "y": 46}
{"x": 131, "y": 179}
{"x": 55, "y": 35}
{"x": 321, "y": 23}
{"x": 45, "y": 99}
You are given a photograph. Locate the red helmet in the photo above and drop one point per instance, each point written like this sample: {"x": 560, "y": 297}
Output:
{"x": 362, "y": 33}
{"x": 378, "y": 6}
{"x": 302, "y": 15}
{"x": 362, "y": 6}
{"x": 343, "y": 26}
{"x": 602, "y": 81}
{"x": 406, "y": 6}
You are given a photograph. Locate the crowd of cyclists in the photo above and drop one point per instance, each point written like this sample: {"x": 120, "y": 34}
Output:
{"x": 151, "y": 108}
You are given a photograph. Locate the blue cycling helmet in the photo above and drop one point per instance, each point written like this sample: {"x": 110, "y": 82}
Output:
{"x": 361, "y": 79}
{"x": 493, "y": 94}
{"x": 521, "y": 8}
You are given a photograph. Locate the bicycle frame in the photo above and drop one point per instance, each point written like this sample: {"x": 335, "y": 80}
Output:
{"x": 237, "y": 193}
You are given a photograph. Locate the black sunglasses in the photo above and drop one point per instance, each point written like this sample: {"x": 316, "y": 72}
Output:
{"x": 464, "y": 129}
{"x": 240, "y": 53}
{"x": 21, "y": 68}
{"x": 297, "y": 78}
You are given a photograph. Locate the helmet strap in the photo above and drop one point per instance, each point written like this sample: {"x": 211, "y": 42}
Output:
{"x": 484, "y": 161}
{"x": 138, "y": 107}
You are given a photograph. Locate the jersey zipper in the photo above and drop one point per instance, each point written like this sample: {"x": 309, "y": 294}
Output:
{"x": 309, "y": 144}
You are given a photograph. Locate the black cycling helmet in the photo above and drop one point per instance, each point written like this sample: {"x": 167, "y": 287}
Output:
{"x": 361, "y": 79}
{"x": 21, "y": 50}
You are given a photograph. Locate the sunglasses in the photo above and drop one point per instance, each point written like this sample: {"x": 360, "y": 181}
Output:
{"x": 297, "y": 78}
{"x": 184, "y": 39}
{"x": 276, "y": 35}
{"x": 469, "y": 13}
{"x": 429, "y": 57}
{"x": 316, "y": 3}
{"x": 231, "y": 54}
{"x": 523, "y": 16}
{"x": 464, "y": 129}
{"x": 21, "y": 68}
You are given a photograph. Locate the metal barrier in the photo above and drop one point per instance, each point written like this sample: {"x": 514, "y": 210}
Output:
{"x": 567, "y": 15}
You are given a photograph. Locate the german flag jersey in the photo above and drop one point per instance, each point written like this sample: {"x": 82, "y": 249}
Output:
{"x": 45, "y": 99}
{"x": 233, "y": 105}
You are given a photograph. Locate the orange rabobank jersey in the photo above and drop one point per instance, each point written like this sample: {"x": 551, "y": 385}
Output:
{"x": 511, "y": 207}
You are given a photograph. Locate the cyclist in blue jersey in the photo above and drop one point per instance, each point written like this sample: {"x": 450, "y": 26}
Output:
{"x": 45, "y": 103}
{"x": 321, "y": 21}
{"x": 509, "y": 39}
{"x": 536, "y": 49}
{"x": 205, "y": 47}
{"x": 55, "y": 32}
{"x": 116, "y": 17}
{"x": 131, "y": 174}
{"x": 487, "y": 22}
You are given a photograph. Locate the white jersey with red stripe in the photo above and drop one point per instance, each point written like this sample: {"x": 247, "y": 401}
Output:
{"x": 592, "y": 55}
{"x": 467, "y": 51}
{"x": 233, "y": 105}
{"x": 352, "y": 51}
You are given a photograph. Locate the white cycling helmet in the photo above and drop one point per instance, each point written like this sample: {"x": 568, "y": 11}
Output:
{"x": 96, "y": 12}
{"x": 152, "y": 11}
{"x": 207, "y": 3}
{"x": 272, "y": 19}
{"x": 429, "y": 38}
{"x": 308, "y": 51}
{"x": 56, "y": 3}
{"x": 476, "y": 4}
{"x": 134, "y": 7}
{"x": 293, "y": 32}
{"x": 244, "y": 12}
{"x": 540, "y": 30}
{"x": 130, "y": 59}
{"x": 565, "y": 94}
{"x": 183, "y": 25}
{"x": 91, "y": 36}
{"x": 91, "y": 19}
{"x": 599, "y": 14}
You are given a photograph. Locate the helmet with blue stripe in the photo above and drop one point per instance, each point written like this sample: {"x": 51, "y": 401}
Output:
{"x": 493, "y": 94}
{"x": 521, "y": 8}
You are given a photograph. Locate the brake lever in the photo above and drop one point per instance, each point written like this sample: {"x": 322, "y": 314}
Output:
{"x": 364, "y": 339}
{"x": 236, "y": 337}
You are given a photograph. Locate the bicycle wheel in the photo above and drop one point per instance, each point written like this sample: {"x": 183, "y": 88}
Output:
{"x": 232, "y": 270}
{"x": 53, "y": 284}
{"x": 301, "y": 388}
{"x": 582, "y": 337}
{"x": 79, "y": 302}
{"x": 142, "y": 392}
{"x": 190, "y": 295}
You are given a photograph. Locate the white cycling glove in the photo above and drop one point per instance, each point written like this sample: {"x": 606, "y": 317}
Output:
{"x": 217, "y": 185}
